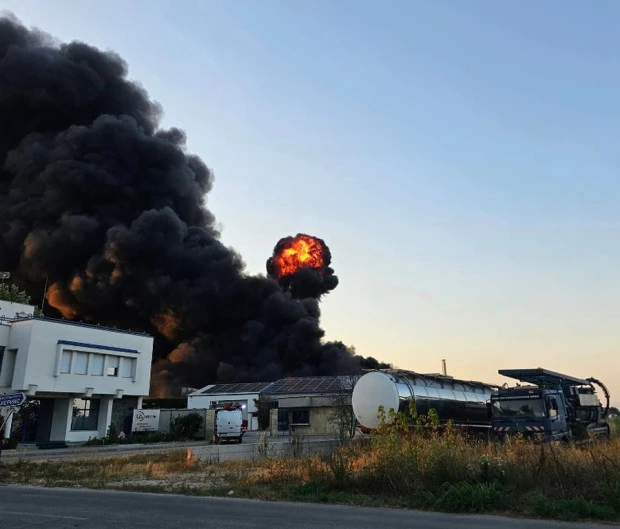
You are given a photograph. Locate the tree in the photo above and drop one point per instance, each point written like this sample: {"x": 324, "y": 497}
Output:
{"x": 264, "y": 412}
{"x": 342, "y": 416}
{"x": 11, "y": 292}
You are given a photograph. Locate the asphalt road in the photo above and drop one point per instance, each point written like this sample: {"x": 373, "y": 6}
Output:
{"x": 31, "y": 508}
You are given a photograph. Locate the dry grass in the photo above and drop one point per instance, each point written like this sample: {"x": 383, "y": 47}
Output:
{"x": 433, "y": 471}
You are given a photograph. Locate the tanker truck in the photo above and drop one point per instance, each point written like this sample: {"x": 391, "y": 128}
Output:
{"x": 464, "y": 403}
{"x": 553, "y": 406}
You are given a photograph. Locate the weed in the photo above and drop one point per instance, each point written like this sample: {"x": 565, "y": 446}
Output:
{"x": 469, "y": 497}
{"x": 425, "y": 468}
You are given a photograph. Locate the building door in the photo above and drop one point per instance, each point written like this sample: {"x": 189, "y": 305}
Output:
{"x": 25, "y": 421}
{"x": 44, "y": 422}
{"x": 283, "y": 420}
{"x": 33, "y": 422}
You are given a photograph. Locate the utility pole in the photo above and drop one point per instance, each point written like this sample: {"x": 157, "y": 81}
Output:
{"x": 44, "y": 293}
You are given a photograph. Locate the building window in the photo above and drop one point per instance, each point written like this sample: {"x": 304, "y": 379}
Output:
{"x": 113, "y": 366}
{"x": 127, "y": 367}
{"x": 65, "y": 362}
{"x": 85, "y": 414}
{"x": 81, "y": 363}
{"x": 300, "y": 417}
{"x": 97, "y": 369}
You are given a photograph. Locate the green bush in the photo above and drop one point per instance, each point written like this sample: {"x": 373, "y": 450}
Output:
{"x": 571, "y": 508}
{"x": 614, "y": 424}
{"x": 186, "y": 426}
{"x": 469, "y": 497}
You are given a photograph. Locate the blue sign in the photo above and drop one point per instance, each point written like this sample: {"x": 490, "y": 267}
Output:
{"x": 12, "y": 399}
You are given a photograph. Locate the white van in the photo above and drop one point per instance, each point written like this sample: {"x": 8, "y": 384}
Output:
{"x": 228, "y": 426}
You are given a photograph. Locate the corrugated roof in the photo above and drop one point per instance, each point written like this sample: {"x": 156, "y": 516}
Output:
{"x": 311, "y": 385}
{"x": 235, "y": 388}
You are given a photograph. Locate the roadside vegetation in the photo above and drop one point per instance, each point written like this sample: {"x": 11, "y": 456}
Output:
{"x": 427, "y": 469}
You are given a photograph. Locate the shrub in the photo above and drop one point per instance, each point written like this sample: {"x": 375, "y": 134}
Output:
{"x": 186, "y": 426}
{"x": 470, "y": 497}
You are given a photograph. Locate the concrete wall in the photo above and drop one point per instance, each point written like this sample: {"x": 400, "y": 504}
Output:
{"x": 167, "y": 416}
{"x": 40, "y": 345}
{"x": 10, "y": 310}
{"x": 319, "y": 422}
{"x": 61, "y": 419}
{"x": 4, "y": 333}
{"x": 267, "y": 447}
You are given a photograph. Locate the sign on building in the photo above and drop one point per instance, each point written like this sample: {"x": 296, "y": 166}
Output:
{"x": 9, "y": 404}
{"x": 10, "y": 400}
{"x": 145, "y": 421}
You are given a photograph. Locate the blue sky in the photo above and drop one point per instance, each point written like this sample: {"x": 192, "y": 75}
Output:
{"x": 459, "y": 158}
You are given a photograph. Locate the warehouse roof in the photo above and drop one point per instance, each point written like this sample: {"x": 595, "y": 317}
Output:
{"x": 311, "y": 385}
{"x": 233, "y": 389}
{"x": 289, "y": 385}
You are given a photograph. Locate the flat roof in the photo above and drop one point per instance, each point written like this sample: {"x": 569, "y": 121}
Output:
{"x": 541, "y": 376}
{"x": 77, "y": 324}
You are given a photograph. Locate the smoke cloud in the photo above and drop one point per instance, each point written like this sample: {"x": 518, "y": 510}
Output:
{"x": 97, "y": 197}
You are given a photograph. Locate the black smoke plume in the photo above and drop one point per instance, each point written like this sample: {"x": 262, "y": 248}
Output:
{"x": 95, "y": 196}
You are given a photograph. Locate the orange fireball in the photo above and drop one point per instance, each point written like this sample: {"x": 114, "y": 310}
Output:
{"x": 293, "y": 253}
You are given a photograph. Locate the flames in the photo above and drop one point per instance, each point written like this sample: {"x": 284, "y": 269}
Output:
{"x": 293, "y": 253}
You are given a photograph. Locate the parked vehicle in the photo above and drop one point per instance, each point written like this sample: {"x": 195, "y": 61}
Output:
{"x": 553, "y": 407}
{"x": 464, "y": 403}
{"x": 228, "y": 425}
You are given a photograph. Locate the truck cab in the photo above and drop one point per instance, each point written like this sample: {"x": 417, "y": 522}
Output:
{"x": 553, "y": 407}
{"x": 530, "y": 411}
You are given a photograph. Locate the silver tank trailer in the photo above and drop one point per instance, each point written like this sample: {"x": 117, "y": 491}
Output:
{"x": 464, "y": 402}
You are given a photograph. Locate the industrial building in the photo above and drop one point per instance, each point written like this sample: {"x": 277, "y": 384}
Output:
{"x": 244, "y": 395}
{"x": 295, "y": 405}
{"x": 81, "y": 377}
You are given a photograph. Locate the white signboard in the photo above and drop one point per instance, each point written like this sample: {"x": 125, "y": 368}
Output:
{"x": 145, "y": 421}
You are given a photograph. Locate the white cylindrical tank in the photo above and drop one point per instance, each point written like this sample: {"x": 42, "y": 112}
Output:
{"x": 463, "y": 402}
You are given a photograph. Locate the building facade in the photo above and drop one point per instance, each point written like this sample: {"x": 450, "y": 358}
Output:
{"x": 83, "y": 377}
{"x": 308, "y": 406}
{"x": 243, "y": 395}
{"x": 311, "y": 406}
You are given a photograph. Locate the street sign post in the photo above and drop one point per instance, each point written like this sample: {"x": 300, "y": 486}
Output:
{"x": 12, "y": 400}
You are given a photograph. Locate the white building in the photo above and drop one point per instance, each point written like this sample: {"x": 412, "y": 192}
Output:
{"x": 242, "y": 394}
{"x": 81, "y": 374}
